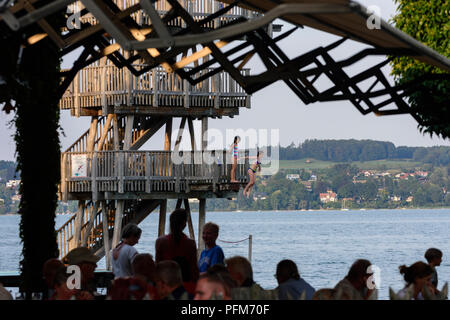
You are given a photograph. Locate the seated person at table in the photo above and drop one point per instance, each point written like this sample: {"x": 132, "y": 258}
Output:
{"x": 290, "y": 284}
{"x": 169, "y": 282}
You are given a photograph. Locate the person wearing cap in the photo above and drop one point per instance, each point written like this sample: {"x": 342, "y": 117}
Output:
{"x": 87, "y": 261}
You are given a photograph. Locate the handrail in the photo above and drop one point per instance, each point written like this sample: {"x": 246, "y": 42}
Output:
{"x": 146, "y": 171}
{"x": 98, "y": 84}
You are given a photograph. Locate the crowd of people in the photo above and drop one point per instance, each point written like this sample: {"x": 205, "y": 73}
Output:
{"x": 176, "y": 274}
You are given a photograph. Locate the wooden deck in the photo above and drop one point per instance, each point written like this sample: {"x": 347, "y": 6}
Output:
{"x": 100, "y": 89}
{"x": 108, "y": 175}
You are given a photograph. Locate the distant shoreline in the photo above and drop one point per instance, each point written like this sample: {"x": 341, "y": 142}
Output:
{"x": 298, "y": 210}
{"x": 361, "y": 209}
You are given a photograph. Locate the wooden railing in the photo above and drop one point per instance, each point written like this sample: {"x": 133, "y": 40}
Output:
{"x": 99, "y": 85}
{"x": 80, "y": 145}
{"x": 198, "y": 9}
{"x": 66, "y": 233}
{"x": 146, "y": 171}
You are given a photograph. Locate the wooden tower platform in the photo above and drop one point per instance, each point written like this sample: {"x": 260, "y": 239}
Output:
{"x": 116, "y": 183}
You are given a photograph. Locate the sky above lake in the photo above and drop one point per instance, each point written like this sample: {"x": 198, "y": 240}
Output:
{"x": 277, "y": 107}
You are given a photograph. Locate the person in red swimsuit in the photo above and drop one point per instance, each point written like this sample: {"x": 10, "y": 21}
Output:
{"x": 178, "y": 247}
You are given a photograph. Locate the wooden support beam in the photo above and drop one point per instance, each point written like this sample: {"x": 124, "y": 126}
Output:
{"x": 106, "y": 243}
{"x": 46, "y": 26}
{"x": 201, "y": 223}
{"x": 189, "y": 219}
{"x": 246, "y": 60}
{"x": 94, "y": 173}
{"x": 196, "y": 56}
{"x": 148, "y": 133}
{"x": 83, "y": 34}
{"x": 178, "y": 206}
{"x": 87, "y": 232}
{"x": 118, "y": 223}
{"x": 192, "y": 134}
{"x": 116, "y": 137}
{"x": 105, "y": 132}
{"x": 162, "y": 218}
{"x": 128, "y": 132}
{"x": 204, "y": 133}
{"x": 168, "y": 135}
{"x": 64, "y": 176}
{"x": 92, "y": 134}
{"x": 79, "y": 223}
{"x": 180, "y": 134}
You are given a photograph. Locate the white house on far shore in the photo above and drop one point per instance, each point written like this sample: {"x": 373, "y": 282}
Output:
{"x": 330, "y": 196}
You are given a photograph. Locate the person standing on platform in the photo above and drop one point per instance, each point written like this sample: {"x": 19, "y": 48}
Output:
{"x": 212, "y": 254}
{"x": 124, "y": 253}
{"x": 178, "y": 247}
{"x": 234, "y": 152}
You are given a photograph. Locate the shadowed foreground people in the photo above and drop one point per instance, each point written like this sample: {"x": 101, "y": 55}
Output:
{"x": 129, "y": 288}
{"x": 329, "y": 294}
{"x": 417, "y": 277}
{"x": 241, "y": 272}
{"x": 354, "y": 285}
{"x": 141, "y": 286}
{"x": 124, "y": 253}
{"x": 212, "y": 254}
{"x": 49, "y": 269}
{"x": 176, "y": 246}
{"x": 434, "y": 258}
{"x": 216, "y": 283}
{"x": 87, "y": 261}
{"x": 63, "y": 292}
{"x": 5, "y": 294}
{"x": 144, "y": 268}
{"x": 169, "y": 282}
{"x": 290, "y": 284}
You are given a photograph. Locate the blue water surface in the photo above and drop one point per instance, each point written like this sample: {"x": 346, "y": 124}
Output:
{"x": 324, "y": 244}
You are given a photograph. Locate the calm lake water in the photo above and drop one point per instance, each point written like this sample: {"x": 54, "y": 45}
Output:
{"x": 324, "y": 244}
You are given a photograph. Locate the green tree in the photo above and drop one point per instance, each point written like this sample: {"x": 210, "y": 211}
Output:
{"x": 429, "y": 22}
{"x": 30, "y": 80}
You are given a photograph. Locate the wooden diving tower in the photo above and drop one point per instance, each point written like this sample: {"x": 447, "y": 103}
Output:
{"x": 116, "y": 183}
{"x": 143, "y": 63}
